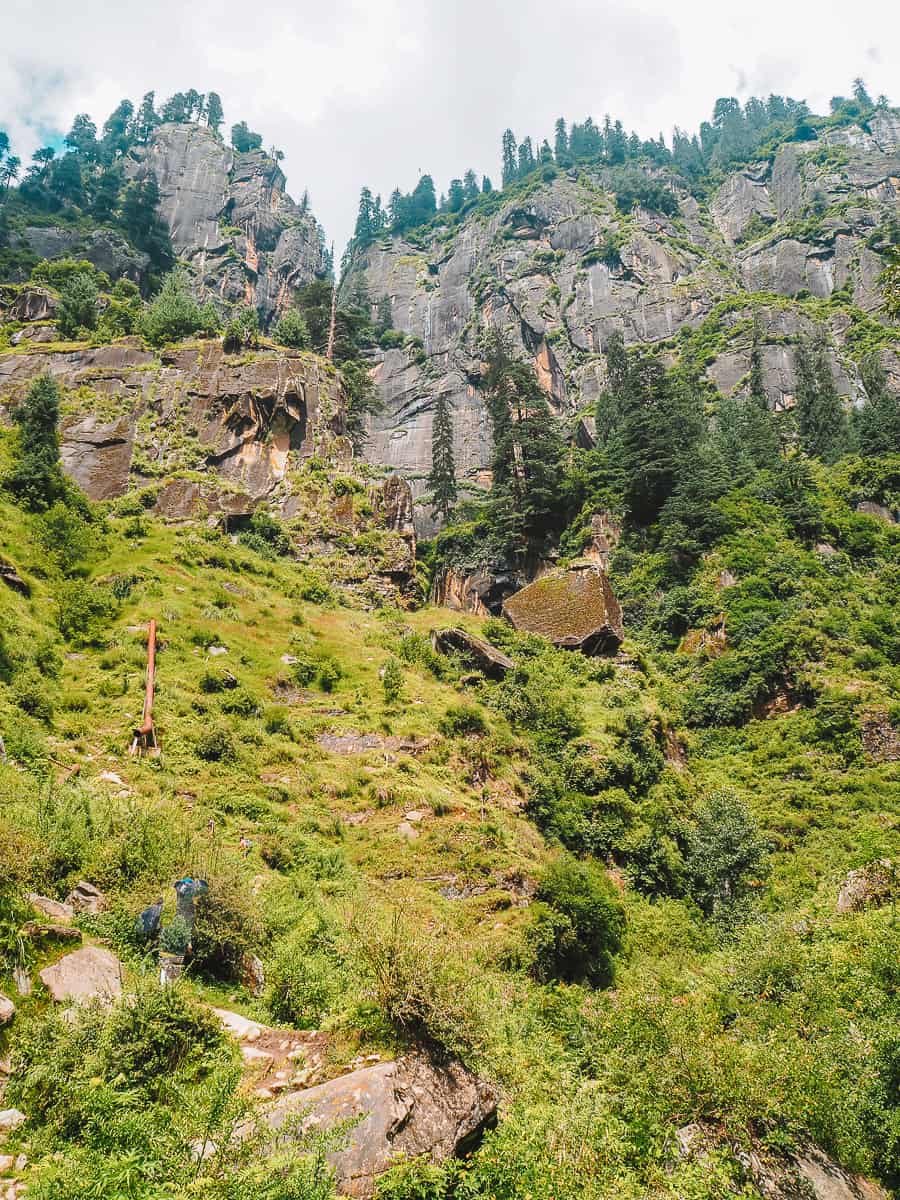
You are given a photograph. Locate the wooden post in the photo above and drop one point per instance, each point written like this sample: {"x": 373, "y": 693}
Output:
{"x": 145, "y": 734}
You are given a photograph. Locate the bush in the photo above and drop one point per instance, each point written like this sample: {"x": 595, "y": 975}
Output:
{"x": 577, "y": 924}
{"x": 462, "y": 719}
{"x": 84, "y": 609}
{"x": 305, "y": 977}
{"x": 419, "y": 985}
{"x": 330, "y": 674}
{"x": 392, "y": 681}
{"x": 66, "y": 536}
{"x": 174, "y": 313}
{"x": 292, "y": 331}
{"x": 227, "y": 926}
{"x": 175, "y": 937}
{"x": 724, "y": 853}
{"x": 77, "y": 311}
{"x": 216, "y": 745}
{"x": 242, "y": 331}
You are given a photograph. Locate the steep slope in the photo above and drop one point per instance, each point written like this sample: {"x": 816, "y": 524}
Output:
{"x": 229, "y": 216}
{"x": 560, "y": 268}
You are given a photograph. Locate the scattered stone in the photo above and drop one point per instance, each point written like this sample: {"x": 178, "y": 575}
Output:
{"x": 414, "y": 816}
{"x": 89, "y": 973}
{"x": 869, "y": 886}
{"x": 573, "y": 607}
{"x": 7, "y": 1162}
{"x": 22, "y": 980}
{"x": 10, "y": 1119}
{"x": 825, "y": 549}
{"x": 880, "y": 738}
{"x": 407, "y": 831}
{"x": 111, "y": 777}
{"x": 239, "y": 1027}
{"x": 216, "y": 651}
{"x": 86, "y": 898}
{"x": 54, "y": 909}
{"x": 255, "y": 1057}
{"x": 11, "y": 577}
{"x": 39, "y": 932}
{"x": 7, "y": 1010}
{"x": 410, "y": 1107}
{"x": 475, "y": 650}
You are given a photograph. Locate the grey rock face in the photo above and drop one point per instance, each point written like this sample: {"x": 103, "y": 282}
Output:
{"x": 230, "y": 218}
{"x": 410, "y": 1108}
{"x": 536, "y": 269}
{"x": 737, "y": 202}
{"x": 106, "y": 249}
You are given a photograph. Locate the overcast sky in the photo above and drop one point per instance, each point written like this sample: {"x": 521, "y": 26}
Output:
{"x": 358, "y": 92}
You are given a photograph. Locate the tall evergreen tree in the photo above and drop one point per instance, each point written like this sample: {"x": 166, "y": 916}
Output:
{"x": 363, "y": 231}
{"x": 878, "y": 422}
{"x": 821, "y": 421}
{"x": 526, "y": 158}
{"x": 36, "y": 478}
{"x": 442, "y": 479}
{"x": 561, "y": 143}
{"x": 215, "y": 114}
{"x": 456, "y": 197}
{"x": 510, "y": 160}
{"x": 470, "y": 185}
{"x": 146, "y": 118}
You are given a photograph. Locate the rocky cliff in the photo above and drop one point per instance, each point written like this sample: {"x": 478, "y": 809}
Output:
{"x": 230, "y": 217}
{"x": 561, "y": 269}
{"x": 207, "y": 431}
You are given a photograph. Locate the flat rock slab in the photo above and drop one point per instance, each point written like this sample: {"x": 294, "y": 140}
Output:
{"x": 410, "y": 1107}
{"x": 480, "y": 653}
{"x": 10, "y": 1119}
{"x": 54, "y": 909}
{"x": 86, "y": 974}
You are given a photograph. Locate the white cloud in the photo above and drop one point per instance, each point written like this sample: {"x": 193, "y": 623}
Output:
{"x": 356, "y": 92}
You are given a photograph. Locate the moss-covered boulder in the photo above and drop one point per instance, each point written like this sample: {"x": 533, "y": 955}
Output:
{"x": 573, "y": 607}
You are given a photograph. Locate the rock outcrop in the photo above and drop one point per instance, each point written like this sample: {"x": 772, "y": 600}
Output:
{"x": 474, "y": 650}
{"x": 572, "y": 607}
{"x": 229, "y": 216}
{"x": 107, "y": 250}
{"x": 86, "y": 974}
{"x": 225, "y": 426}
{"x": 410, "y": 1107}
{"x": 805, "y": 224}
{"x": 869, "y": 886}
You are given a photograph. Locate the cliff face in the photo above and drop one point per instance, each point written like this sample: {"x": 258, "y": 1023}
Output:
{"x": 804, "y": 226}
{"x": 229, "y": 215}
{"x": 208, "y": 430}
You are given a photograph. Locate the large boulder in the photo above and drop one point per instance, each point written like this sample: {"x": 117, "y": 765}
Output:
{"x": 86, "y": 898}
{"x": 869, "y": 886}
{"x": 7, "y": 1010}
{"x": 86, "y": 974}
{"x": 573, "y": 607}
{"x": 474, "y": 649}
{"x": 410, "y": 1107}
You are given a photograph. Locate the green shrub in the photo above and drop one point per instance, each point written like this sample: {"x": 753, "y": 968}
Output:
{"x": 76, "y": 315}
{"x": 304, "y": 671}
{"x": 242, "y": 331}
{"x": 461, "y": 720}
{"x": 292, "y": 331}
{"x": 392, "y": 681}
{"x": 725, "y": 856}
{"x": 238, "y": 702}
{"x": 577, "y": 924}
{"x": 216, "y": 745}
{"x": 175, "y": 937}
{"x": 174, "y": 313}
{"x": 277, "y": 719}
{"x": 67, "y": 537}
{"x": 228, "y": 926}
{"x": 83, "y": 611}
{"x": 330, "y": 674}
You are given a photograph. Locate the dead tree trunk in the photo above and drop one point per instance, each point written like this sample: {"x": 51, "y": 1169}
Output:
{"x": 145, "y": 734}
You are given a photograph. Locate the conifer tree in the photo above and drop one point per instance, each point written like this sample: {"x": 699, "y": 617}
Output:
{"x": 442, "y": 479}
{"x": 878, "y": 422}
{"x": 36, "y": 478}
{"x": 456, "y": 196}
{"x": 215, "y": 114}
{"x": 821, "y": 420}
{"x": 470, "y": 185}
{"x": 561, "y": 144}
{"x": 146, "y": 119}
{"x": 510, "y": 160}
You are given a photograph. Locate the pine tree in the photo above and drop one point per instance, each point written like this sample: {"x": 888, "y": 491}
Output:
{"x": 36, "y": 478}
{"x": 486, "y": 185}
{"x": 526, "y": 158}
{"x": 146, "y": 119}
{"x": 470, "y": 185}
{"x": 215, "y": 114}
{"x": 510, "y": 161}
{"x": 878, "y": 422}
{"x": 821, "y": 420}
{"x": 456, "y": 196}
{"x": 442, "y": 479}
{"x": 757, "y": 423}
{"x": 363, "y": 231}
{"x": 561, "y": 144}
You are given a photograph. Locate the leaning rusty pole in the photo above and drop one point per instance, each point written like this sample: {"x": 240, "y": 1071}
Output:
{"x": 145, "y": 735}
